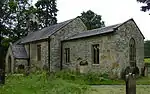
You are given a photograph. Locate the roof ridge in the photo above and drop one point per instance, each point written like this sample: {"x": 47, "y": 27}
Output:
{"x": 68, "y": 21}
{"x": 96, "y": 29}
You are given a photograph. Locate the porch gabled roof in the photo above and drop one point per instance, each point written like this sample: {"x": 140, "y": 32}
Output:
{"x": 19, "y": 52}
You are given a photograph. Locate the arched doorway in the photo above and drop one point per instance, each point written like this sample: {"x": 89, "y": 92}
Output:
{"x": 132, "y": 53}
{"x": 9, "y": 64}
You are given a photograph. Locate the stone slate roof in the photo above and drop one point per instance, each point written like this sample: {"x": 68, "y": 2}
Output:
{"x": 19, "y": 52}
{"x": 94, "y": 32}
{"x": 18, "y": 48}
{"x": 45, "y": 32}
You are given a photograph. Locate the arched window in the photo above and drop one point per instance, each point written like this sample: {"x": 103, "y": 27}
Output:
{"x": 132, "y": 52}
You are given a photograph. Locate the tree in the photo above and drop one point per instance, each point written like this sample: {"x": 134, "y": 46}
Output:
{"x": 2, "y": 13}
{"x": 147, "y": 6}
{"x": 13, "y": 20}
{"x": 19, "y": 11}
{"x": 2, "y": 30}
{"x": 16, "y": 18}
{"x": 147, "y": 48}
{"x": 92, "y": 20}
{"x": 46, "y": 12}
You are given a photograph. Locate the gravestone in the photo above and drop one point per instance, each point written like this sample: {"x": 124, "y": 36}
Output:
{"x": 130, "y": 84}
{"x": 147, "y": 69}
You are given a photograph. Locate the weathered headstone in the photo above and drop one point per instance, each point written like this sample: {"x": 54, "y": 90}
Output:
{"x": 147, "y": 69}
{"x": 130, "y": 84}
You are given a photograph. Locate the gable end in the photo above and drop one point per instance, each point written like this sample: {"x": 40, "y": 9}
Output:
{"x": 134, "y": 24}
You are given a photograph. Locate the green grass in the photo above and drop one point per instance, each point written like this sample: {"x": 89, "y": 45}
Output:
{"x": 97, "y": 79}
{"x": 139, "y": 81}
{"x": 147, "y": 60}
{"x": 89, "y": 79}
{"x": 41, "y": 84}
{"x": 143, "y": 81}
{"x": 64, "y": 82}
{"x": 121, "y": 89}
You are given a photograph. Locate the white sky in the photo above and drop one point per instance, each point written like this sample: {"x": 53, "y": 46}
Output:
{"x": 112, "y": 11}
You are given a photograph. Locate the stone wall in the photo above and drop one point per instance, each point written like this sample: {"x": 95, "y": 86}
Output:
{"x": 19, "y": 62}
{"x": 82, "y": 48}
{"x": 124, "y": 34}
{"x": 14, "y": 62}
{"x": 74, "y": 27}
{"x": 9, "y": 54}
{"x": 114, "y": 50}
{"x": 35, "y": 64}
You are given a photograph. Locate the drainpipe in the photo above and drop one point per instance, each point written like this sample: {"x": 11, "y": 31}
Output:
{"x": 61, "y": 66}
{"x": 29, "y": 57}
{"x": 49, "y": 54}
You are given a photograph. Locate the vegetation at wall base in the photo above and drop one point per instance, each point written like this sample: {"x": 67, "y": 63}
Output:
{"x": 64, "y": 82}
{"x": 40, "y": 83}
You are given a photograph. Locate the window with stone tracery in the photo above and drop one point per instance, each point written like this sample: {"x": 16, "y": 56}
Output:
{"x": 132, "y": 52}
{"x": 95, "y": 53}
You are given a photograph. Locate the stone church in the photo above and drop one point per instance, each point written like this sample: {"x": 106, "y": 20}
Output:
{"x": 69, "y": 45}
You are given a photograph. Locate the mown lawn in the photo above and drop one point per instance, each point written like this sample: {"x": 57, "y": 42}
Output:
{"x": 139, "y": 81}
{"x": 119, "y": 89}
{"x": 147, "y": 60}
{"x": 143, "y": 81}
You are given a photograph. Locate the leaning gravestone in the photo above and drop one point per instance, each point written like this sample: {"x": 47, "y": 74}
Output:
{"x": 130, "y": 84}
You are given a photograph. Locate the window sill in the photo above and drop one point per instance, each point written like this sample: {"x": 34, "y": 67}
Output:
{"x": 67, "y": 63}
{"x": 95, "y": 64}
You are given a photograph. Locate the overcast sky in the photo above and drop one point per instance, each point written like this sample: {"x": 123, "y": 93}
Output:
{"x": 112, "y": 11}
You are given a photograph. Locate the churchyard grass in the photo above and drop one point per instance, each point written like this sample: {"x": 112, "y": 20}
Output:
{"x": 147, "y": 60}
{"x": 143, "y": 81}
{"x": 64, "y": 82}
{"x": 118, "y": 89}
{"x": 41, "y": 84}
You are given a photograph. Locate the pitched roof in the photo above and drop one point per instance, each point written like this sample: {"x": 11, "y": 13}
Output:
{"x": 100, "y": 31}
{"x": 19, "y": 52}
{"x": 93, "y": 32}
{"x": 45, "y": 32}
